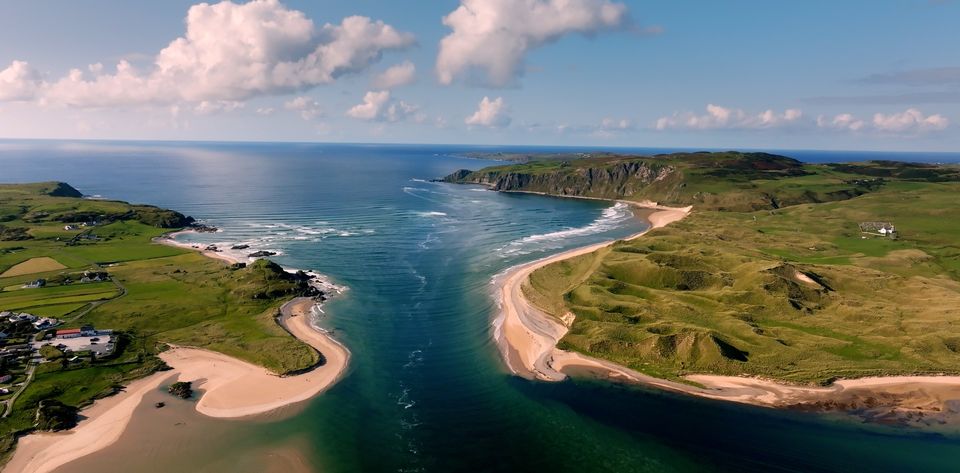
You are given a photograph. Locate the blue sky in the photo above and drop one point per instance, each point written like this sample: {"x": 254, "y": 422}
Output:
{"x": 881, "y": 74}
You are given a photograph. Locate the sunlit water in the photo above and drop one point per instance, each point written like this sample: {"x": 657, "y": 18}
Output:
{"x": 426, "y": 389}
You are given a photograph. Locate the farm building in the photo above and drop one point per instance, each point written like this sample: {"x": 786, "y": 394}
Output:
{"x": 878, "y": 228}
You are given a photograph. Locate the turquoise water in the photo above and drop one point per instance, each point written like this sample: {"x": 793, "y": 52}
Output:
{"x": 426, "y": 389}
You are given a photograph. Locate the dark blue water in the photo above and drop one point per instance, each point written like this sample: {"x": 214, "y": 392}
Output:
{"x": 426, "y": 390}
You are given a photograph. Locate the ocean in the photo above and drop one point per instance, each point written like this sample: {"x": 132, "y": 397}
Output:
{"x": 426, "y": 390}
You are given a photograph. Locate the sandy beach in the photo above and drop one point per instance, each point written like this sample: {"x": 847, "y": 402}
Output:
{"x": 231, "y": 388}
{"x": 170, "y": 239}
{"x": 527, "y": 338}
{"x": 234, "y": 388}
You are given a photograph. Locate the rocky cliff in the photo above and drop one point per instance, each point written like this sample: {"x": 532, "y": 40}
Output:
{"x": 733, "y": 181}
{"x": 619, "y": 180}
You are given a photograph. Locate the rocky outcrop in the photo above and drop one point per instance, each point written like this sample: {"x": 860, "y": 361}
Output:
{"x": 181, "y": 389}
{"x": 62, "y": 189}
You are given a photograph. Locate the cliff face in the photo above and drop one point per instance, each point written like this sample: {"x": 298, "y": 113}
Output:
{"x": 726, "y": 181}
{"x": 625, "y": 179}
{"x": 62, "y": 189}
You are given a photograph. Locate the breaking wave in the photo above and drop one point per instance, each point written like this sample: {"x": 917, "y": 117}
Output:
{"x": 609, "y": 219}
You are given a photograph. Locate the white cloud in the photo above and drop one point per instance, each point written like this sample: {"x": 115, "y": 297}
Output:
{"x": 396, "y": 76}
{"x": 494, "y": 36}
{"x": 909, "y": 121}
{"x": 308, "y": 107}
{"x": 18, "y": 82}
{"x": 718, "y": 117}
{"x": 613, "y": 124}
{"x": 370, "y": 109}
{"x": 843, "y": 121}
{"x": 490, "y": 113}
{"x": 265, "y": 111}
{"x": 230, "y": 52}
{"x": 208, "y": 107}
{"x": 378, "y": 106}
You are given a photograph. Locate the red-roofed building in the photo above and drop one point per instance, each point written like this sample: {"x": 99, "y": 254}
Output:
{"x": 68, "y": 333}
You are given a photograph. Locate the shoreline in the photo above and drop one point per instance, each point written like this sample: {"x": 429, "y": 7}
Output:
{"x": 232, "y": 389}
{"x": 527, "y": 339}
{"x": 170, "y": 239}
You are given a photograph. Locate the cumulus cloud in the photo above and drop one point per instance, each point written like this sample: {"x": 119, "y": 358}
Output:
{"x": 490, "y": 114}
{"x": 396, "y": 76}
{"x": 308, "y": 107}
{"x": 494, "y": 36}
{"x": 19, "y": 81}
{"x": 909, "y": 121}
{"x": 208, "y": 107}
{"x": 230, "y": 52}
{"x": 843, "y": 121}
{"x": 718, "y": 117}
{"x": 373, "y": 103}
{"x": 379, "y": 106}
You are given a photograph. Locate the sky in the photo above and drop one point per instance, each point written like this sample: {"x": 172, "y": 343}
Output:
{"x": 817, "y": 74}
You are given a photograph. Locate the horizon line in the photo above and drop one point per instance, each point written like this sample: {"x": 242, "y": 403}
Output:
{"x": 474, "y": 145}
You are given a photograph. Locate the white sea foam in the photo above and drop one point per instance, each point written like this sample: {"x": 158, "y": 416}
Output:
{"x": 431, "y": 214}
{"x": 608, "y": 220}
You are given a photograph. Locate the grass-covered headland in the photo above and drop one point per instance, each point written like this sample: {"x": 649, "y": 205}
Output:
{"x": 780, "y": 271}
{"x": 92, "y": 263}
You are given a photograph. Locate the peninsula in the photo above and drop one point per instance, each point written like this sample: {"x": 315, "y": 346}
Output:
{"x": 89, "y": 294}
{"x": 816, "y": 286}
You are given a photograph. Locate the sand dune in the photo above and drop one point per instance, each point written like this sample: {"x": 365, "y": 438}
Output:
{"x": 526, "y": 335}
{"x": 527, "y": 338}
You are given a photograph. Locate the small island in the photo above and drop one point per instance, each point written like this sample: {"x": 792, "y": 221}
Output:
{"x": 181, "y": 389}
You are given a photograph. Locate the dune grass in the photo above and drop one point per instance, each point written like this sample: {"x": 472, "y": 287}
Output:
{"x": 727, "y": 292}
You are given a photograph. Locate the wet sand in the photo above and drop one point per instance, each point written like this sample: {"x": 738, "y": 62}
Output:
{"x": 178, "y": 438}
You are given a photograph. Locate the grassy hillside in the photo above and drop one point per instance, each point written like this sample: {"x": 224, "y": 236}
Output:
{"x": 792, "y": 292}
{"x": 731, "y": 181}
{"x": 156, "y": 295}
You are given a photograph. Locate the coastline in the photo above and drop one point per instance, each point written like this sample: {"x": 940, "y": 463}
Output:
{"x": 527, "y": 339}
{"x": 231, "y": 388}
{"x": 170, "y": 239}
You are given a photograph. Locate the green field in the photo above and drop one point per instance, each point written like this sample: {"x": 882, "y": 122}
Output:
{"x": 32, "y": 266}
{"x": 726, "y": 181}
{"x": 35, "y": 300}
{"x": 157, "y": 295}
{"x": 791, "y": 292}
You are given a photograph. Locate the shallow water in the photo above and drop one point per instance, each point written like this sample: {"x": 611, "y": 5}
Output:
{"x": 426, "y": 390}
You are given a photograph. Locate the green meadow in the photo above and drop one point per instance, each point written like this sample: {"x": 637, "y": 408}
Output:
{"x": 790, "y": 292}
{"x": 157, "y": 295}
